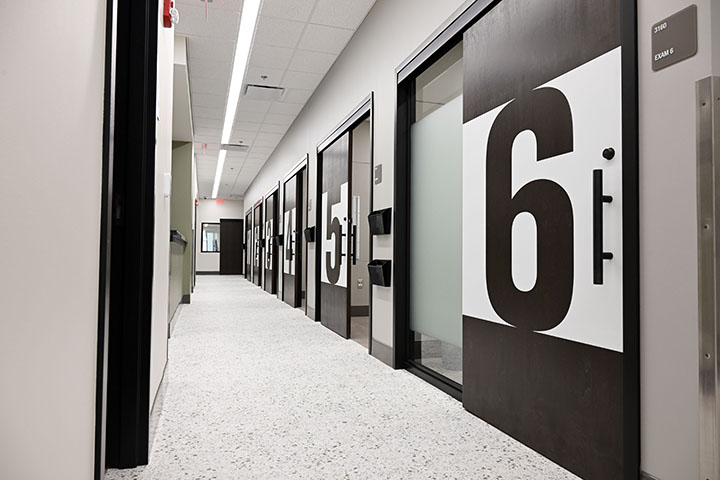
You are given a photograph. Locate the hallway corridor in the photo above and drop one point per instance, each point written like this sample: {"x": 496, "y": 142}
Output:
{"x": 255, "y": 390}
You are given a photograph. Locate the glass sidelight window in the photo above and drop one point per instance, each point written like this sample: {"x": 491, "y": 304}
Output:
{"x": 435, "y": 226}
{"x": 210, "y": 238}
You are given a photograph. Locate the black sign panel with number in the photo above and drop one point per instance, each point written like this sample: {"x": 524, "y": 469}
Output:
{"x": 543, "y": 317}
{"x": 257, "y": 244}
{"x": 335, "y": 236}
{"x": 248, "y": 245}
{"x": 270, "y": 257}
{"x": 291, "y": 228}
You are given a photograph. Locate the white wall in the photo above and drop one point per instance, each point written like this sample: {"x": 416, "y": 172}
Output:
{"x": 163, "y": 165}
{"x": 668, "y": 246}
{"x": 182, "y": 205}
{"x": 51, "y": 99}
{"x": 210, "y": 211}
{"x": 391, "y": 32}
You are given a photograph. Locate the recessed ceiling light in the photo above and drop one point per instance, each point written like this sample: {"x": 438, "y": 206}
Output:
{"x": 248, "y": 21}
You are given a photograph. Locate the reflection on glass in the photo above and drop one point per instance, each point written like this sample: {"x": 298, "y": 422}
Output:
{"x": 436, "y": 218}
{"x": 210, "y": 238}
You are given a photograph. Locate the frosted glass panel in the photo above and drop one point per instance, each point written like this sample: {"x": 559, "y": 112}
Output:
{"x": 436, "y": 224}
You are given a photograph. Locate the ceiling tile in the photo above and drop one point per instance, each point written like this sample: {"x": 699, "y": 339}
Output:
{"x": 267, "y": 140}
{"x": 208, "y": 165}
{"x": 257, "y": 106}
{"x": 285, "y": 108}
{"x": 220, "y": 24}
{"x": 294, "y": 95}
{"x": 314, "y": 62}
{"x": 213, "y": 5}
{"x": 201, "y": 67}
{"x": 233, "y": 168}
{"x": 302, "y": 80}
{"x": 200, "y": 131}
{"x": 277, "y": 119}
{"x": 234, "y": 155}
{"x": 261, "y": 150}
{"x": 254, "y": 76}
{"x": 288, "y": 9}
{"x": 247, "y": 126}
{"x": 206, "y": 100}
{"x": 207, "y": 138}
{"x": 215, "y": 86}
{"x": 270, "y": 128}
{"x": 270, "y": 57}
{"x": 206, "y": 112}
{"x": 247, "y": 137}
{"x": 208, "y": 122}
{"x": 252, "y": 117}
{"x": 217, "y": 49}
{"x": 278, "y": 33}
{"x": 255, "y": 162}
{"x": 320, "y": 38}
{"x": 341, "y": 13}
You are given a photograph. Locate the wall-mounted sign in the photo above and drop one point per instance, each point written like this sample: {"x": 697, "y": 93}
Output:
{"x": 675, "y": 38}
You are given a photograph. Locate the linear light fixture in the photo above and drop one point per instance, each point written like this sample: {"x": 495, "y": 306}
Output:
{"x": 248, "y": 20}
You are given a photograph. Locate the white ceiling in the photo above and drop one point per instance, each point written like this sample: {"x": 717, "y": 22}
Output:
{"x": 296, "y": 42}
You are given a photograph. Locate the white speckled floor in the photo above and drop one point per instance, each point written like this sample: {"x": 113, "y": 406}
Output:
{"x": 255, "y": 390}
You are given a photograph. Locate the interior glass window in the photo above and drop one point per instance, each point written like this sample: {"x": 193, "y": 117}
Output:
{"x": 210, "y": 238}
{"x": 436, "y": 218}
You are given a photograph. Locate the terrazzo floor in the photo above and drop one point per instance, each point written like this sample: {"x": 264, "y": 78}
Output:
{"x": 256, "y": 390}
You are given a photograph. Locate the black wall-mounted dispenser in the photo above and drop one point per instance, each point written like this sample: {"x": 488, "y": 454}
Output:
{"x": 380, "y": 221}
{"x": 310, "y": 234}
{"x": 380, "y": 271}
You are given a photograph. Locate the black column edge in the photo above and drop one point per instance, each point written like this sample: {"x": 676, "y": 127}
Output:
{"x": 105, "y": 241}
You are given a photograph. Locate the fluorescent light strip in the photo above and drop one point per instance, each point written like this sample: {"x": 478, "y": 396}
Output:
{"x": 218, "y": 172}
{"x": 248, "y": 20}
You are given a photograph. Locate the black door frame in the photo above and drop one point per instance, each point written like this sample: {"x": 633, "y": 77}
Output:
{"x": 194, "y": 247}
{"x": 247, "y": 266}
{"x": 274, "y": 276}
{"x": 122, "y": 401}
{"x": 364, "y": 110}
{"x": 301, "y": 167}
{"x": 257, "y": 242}
{"x": 447, "y": 36}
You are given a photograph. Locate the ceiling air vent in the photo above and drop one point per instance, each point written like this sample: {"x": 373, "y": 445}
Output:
{"x": 234, "y": 147}
{"x": 264, "y": 92}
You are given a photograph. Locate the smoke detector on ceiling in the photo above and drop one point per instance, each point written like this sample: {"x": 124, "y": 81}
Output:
{"x": 264, "y": 92}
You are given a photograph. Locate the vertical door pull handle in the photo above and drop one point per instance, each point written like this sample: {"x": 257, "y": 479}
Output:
{"x": 598, "y": 201}
{"x": 354, "y": 245}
